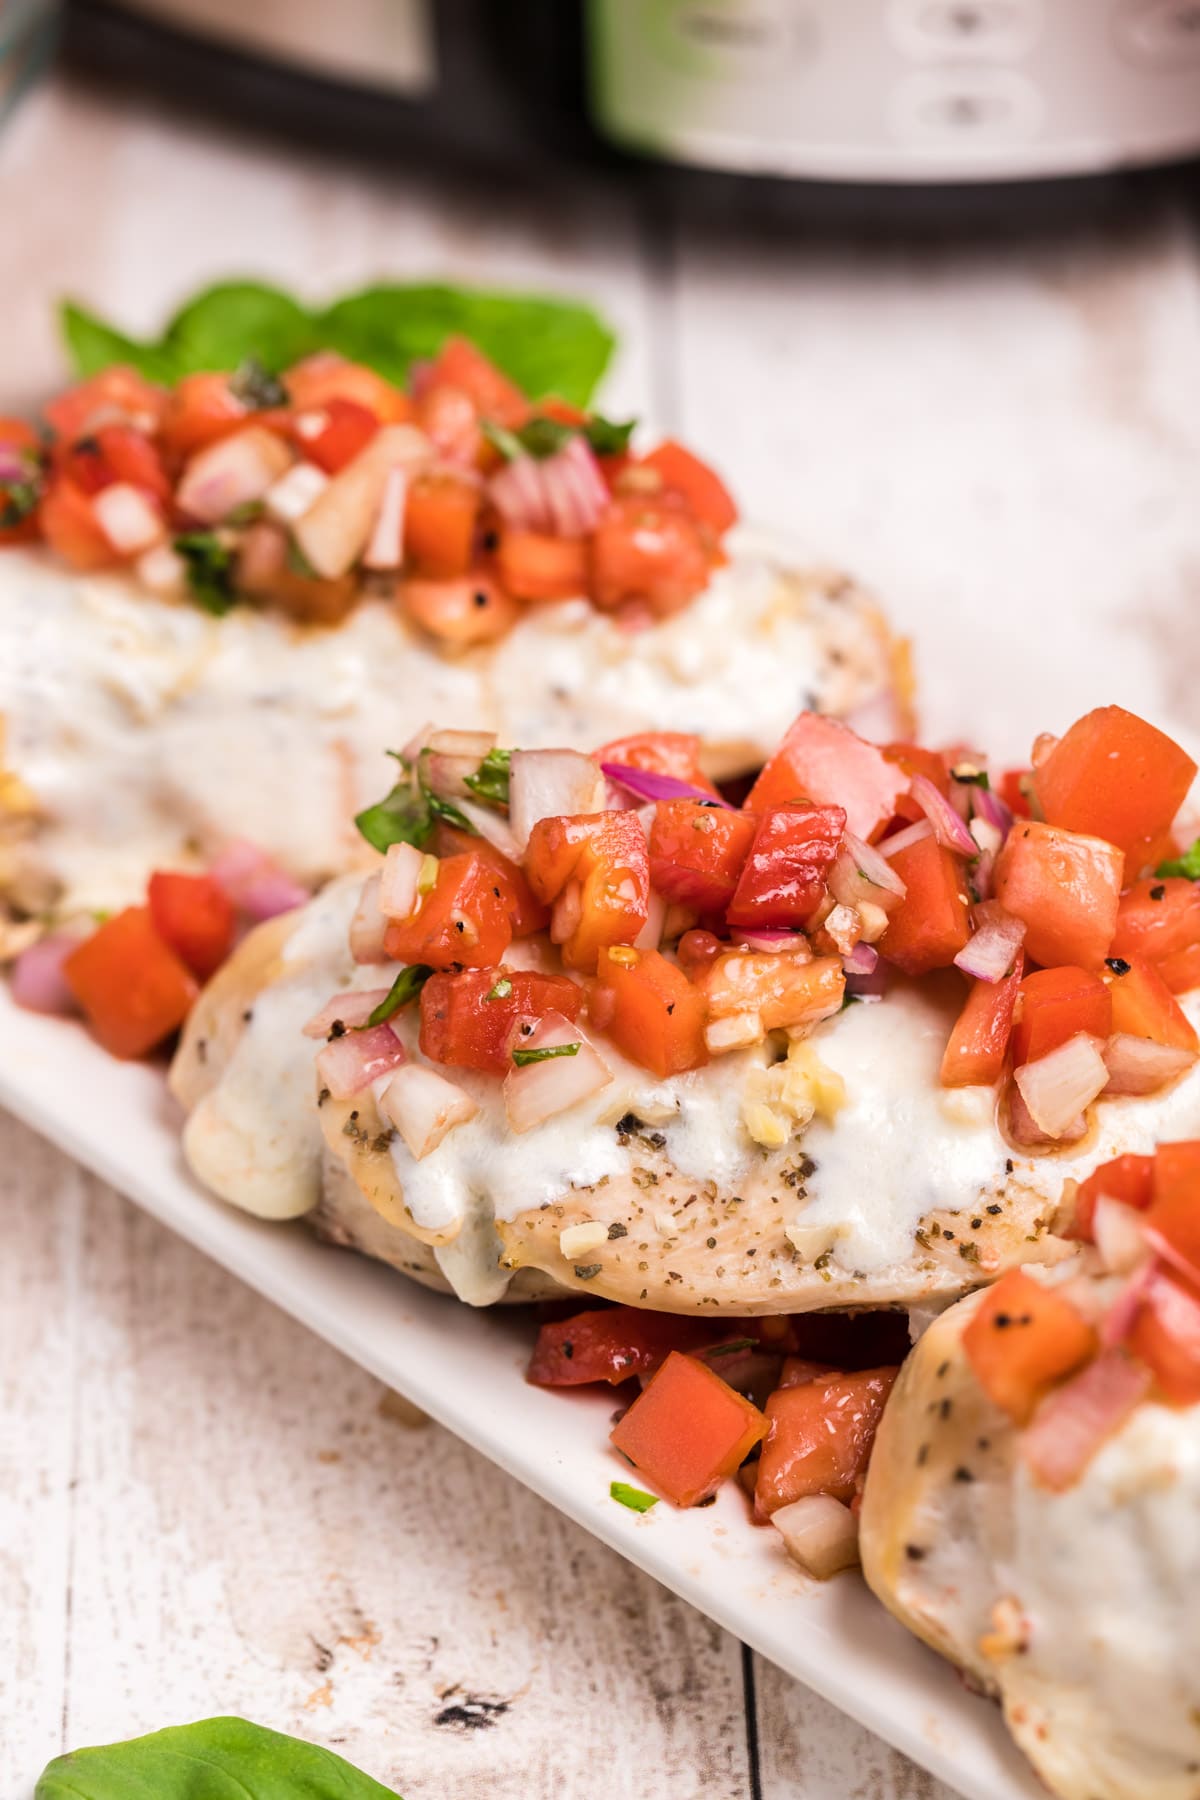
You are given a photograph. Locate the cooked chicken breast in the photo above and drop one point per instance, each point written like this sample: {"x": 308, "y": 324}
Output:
{"x": 140, "y": 732}
{"x": 1076, "y": 1610}
{"x": 889, "y": 1190}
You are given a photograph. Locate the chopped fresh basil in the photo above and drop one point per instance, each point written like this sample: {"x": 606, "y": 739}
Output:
{"x": 1187, "y": 865}
{"x": 636, "y": 1499}
{"x": 17, "y": 502}
{"x": 543, "y": 437}
{"x": 502, "y": 439}
{"x": 490, "y": 780}
{"x": 254, "y": 385}
{"x": 501, "y": 990}
{"x": 208, "y": 566}
{"x": 523, "y": 1058}
{"x": 609, "y": 437}
{"x": 734, "y": 1345}
{"x": 401, "y": 817}
{"x": 446, "y": 809}
{"x": 402, "y": 993}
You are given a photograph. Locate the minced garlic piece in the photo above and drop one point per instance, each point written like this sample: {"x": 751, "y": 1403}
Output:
{"x": 581, "y": 1240}
{"x": 811, "y": 1241}
{"x": 780, "y": 1101}
{"x": 1009, "y": 1634}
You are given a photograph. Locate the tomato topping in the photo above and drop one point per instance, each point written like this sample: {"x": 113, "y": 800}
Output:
{"x": 524, "y": 908}
{"x": 1144, "y": 1006}
{"x": 684, "y": 474}
{"x": 265, "y": 573}
{"x": 70, "y": 527}
{"x": 1181, "y": 969}
{"x": 333, "y": 434}
{"x": 535, "y": 566}
{"x": 612, "y": 1345}
{"x": 821, "y": 759}
{"x": 1175, "y": 1208}
{"x": 201, "y": 409}
{"x": 819, "y": 1439}
{"x": 783, "y": 881}
{"x": 649, "y": 551}
{"x": 468, "y": 1017}
{"x": 596, "y": 865}
{"x": 470, "y": 610}
{"x": 16, "y": 436}
{"x": 697, "y": 853}
{"x": 494, "y": 396}
{"x": 462, "y": 923}
{"x": 1067, "y": 889}
{"x": 1023, "y": 1338}
{"x": 979, "y": 1042}
{"x": 133, "y": 989}
{"x": 116, "y": 395}
{"x": 1166, "y": 1336}
{"x": 1157, "y": 918}
{"x": 1113, "y": 776}
{"x": 1129, "y": 1179}
{"x": 782, "y": 988}
{"x": 114, "y": 453}
{"x": 650, "y": 1010}
{"x": 195, "y": 916}
{"x": 326, "y": 376}
{"x": 929, "y": 927}
{"x": 1054, "y": 1004}
{"x": 1012, "y": 790}
{"x": 687, "y": 1430}
{"x": 439, "y": 525}
{"x": 675, "y": 753}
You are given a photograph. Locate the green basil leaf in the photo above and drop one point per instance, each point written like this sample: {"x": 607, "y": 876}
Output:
{"x": 18, "y": 501}
{"x": 95, "y": 346}
{"x": 491, "y": 779}
{"x": 543, "y": 437}
{"x": 401, "y": 817}
{"x": 609, "y": 437}
{"x": 225, "y": 325}
{"x": 214, "y": 1759}
{"x": 636, "y": 1499}
{"x": 254, "y": 385}
{"x": 523, "y": 1058}
{"x": 446, "y": 809}
{"x": 404, "y": 990}
{"x": 208, "y": 564}
{"x": 1187, "y": 865}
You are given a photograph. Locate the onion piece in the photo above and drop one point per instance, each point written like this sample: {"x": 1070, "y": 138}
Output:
{"x": 989, "y": 807}
{"x": 949, "y": 830}
{"x": 539, "y": 1090}
{"x": 337, "y": 527}
{"x": 860, "y": 873}
{"x": 492, "y": 825}
{"x": 348, "y": 1065}
{"x": 648, "y": 784}
{"x": 1137, "y": 1066}
{"x": 772, "y": 939}
{"x": 862, "y": 960}
{"x": 577, "y": 495}
{"x": 289, "y": 498}
{"x": 368, "y": 927}
{"x": 255, "y": 882}
{"x": 1060, "y": 1085}
{"x": 385, "y": 546}
{"x": 871, "y": 985}
{"x": 475, "y": 744}
{"x": 398, "y": 879}
{"x": 350, "y": 1010}
{"x": 1071, "y": 1424}
{"x": 516, "y": 492}
{"x": 37, "y": 980}
{"x": 549, "y": 784}
{"x": 820, "y": 1534}
{"x": 128, "y": 518}
{"x": 233, "y": 472}
{"x": 990, "y": 952}
{"x": 1023, "y": 1130}
{"x": 651, "y": 934}
{"x": 424, "y": 1107}
{"x": 904, "y": 840}
{"x": 1119, "y": 1235}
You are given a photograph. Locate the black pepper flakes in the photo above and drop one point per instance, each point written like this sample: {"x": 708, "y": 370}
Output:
{"x": 1158, "y": 893}
{"x": 617, "y": 1230}
{"x": 994, "y": 1210}
{"x": 1117, "y": 964}
{"x": 914, "y": 1552}
{"x": 963, "y": 1474}
{"x": 586, "y": 1271}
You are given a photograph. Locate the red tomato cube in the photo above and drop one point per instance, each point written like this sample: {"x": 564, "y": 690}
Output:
{"x": 463, "y": 922}
{"x": 821, "y": 759}
{"x": 650, "y": 1010}
{"x": 460, "y": 365}
{"x": 929, "y": 927}
{"x": 1021, "y": 1339}
{"x": 707, "y": 497}
{"x": 1129, "y": 1179}
{"x": 979, "y": 1042}
{"x": 674, "y": 753}
{"x": 1114, "y": 776}
{"x": 649, "y": 552}
{"x": 1067, "y": 888}
{"x": 133, "y": 989}
{"x": 697, "y": 853}
{"x": 819, "y": 1437}
{"x": 439, "y": 525}
{"x": 533, "y": 565}
{"x": 526, "y": 911}
{"x": 468, "y": 1016}
{"x": 688, "y": 1430}
{"x": 783, "y": 881}
{"x": 1166, "y": 1337}
{"x": 599, "y": 864}
{"x": 195, "y": 916}
{"x": 1144, "y": 1006}
{"x": 612, "y": 1345}
{"x": 1054, "y": 1004}
{"x": 1157, "y": 918}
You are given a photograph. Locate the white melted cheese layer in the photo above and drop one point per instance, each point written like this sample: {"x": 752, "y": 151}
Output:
{"x": 150, "y": 733}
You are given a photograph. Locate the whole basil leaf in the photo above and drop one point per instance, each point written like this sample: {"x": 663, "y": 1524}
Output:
{"x": 1187, "y": 865}
{"x": 94, "y": 346}
{"x": 401, "y": 817}
{"x": 214, "y": 1759}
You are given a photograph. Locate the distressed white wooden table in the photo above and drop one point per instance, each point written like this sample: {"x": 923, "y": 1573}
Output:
{"x": 204, "y": 1509}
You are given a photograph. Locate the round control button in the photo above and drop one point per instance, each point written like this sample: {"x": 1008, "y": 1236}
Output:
{"x": 965, "y": 29}
{"x": 1160, "y": 34}
{"x": 969, "y": 106}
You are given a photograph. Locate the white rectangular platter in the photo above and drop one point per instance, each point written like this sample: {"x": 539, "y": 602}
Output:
{"x": 466, "y": 1369}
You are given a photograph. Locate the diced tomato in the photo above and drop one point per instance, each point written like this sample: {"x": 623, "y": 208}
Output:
{"x": 439, "y": 525}
{"x": 1157, "y": 918}
{"x": 597, "y": 866}
{"x": 649, "y": 551}
{"x": 70, "y": 527}
{"x": 687, "y": 1430}
{"x": 468, "y": 1017}
{"x": 823, "y": 760}
{"x": 929, "y": 927}
{"x": 783, "y": 880}
{"x": 783, "y": 989}
{"x": 333, "y": 434}
{"x": 674, "y": 753}
{"x": 1067, "y": 888}
{"x": 200, "y": 409}
{"x": 819, "y": 1438}
{"x": 133, "y": 989}
{"x": 697, "y": 853}
{"x": 1166, "y": 1336}
{"x": 448, "y": 418}
{"x": 797, "y": 1370}
{"x": 526, "y": 911}
{"x": 1175, "y": 1208}
{"x": 460, "y": 365}
{"x": 535, "y": 566}
{"x": 1023, "y": 1338}
{"x": 473, "y": 609}
{"x": 650, "y": 1009}
{"x": 914, "y": 759}
{"x": 1181, "y": 969}
{"x": 1113, "y": 776}
{"x": 1144, "y": 1006}
{"x": 195, "y": 917}
{"x": 326, "y": 376}
{"x": 462, "y": 923}
{"x": 979, "y": 1042}
{"x": 1054, "y": 1004}
{"x": 114, "y": 453}
{"x": 116, "y": 396}
{"x": 682, "y": 473}
{"x": 1129, "y": 1179}
{"x": 16, "y": 436}
{"x": 1012, "y": 790}
{"x": 611, "y": 1345}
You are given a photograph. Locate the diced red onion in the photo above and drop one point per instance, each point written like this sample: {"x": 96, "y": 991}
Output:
{"x": 647, "y": 784}
{"x": 398, "y": 881}
{"x": 772, "y": 938}
{"x": 16, "y": 465}
{"x": 233, "y": 472}
{"x": 949, "y": 830}
{"x": 37, "y": 981}
{"x": 1063, "y": 1083}
{"x": 368, "y": 927}
{"x": 351, "y": 1010}
{"x": 992, "y": 810}
{"x": 989, "y": 953}
{"x": 821, "y": 1534}
{"x": 868, "y": 986}
{"x": 424, "y": 1107}
{"x": 450, "y": 756}
{"x": 564, "y": 494}
{"x": 517, "y": 494}
{"x": 1119, "y": 1320}
{"x": 1137, "y": 1066}
{"x": 347, "y": 1065}
{"x": 904, "y": 840}
{"x": 1073, "y": 1423}
{"x": 875, "y": 866}
{"x": 129, "y": 519}
{"x": 539, "y": 1090}
{"x": 550, "y": 784}
{"x": 862, "y": 960}
{"x": 983, "y": 875}
{"x": 1024, "y": 1130}
{"x": 385, "y": 546}
{"x": 289, "y": 498}
{"x": 492, "y": 825}
{"x": 255, "y": 882}
{"x": 337, "y": 527}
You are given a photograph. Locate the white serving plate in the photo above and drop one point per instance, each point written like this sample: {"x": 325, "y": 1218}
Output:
{"x": 465, "y": 1369}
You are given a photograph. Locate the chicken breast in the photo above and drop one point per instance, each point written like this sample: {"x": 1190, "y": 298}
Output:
{"x": 1076, "y": 1610}
{"x": 886, "y": 1190}
{"x": 140, "y": 732}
